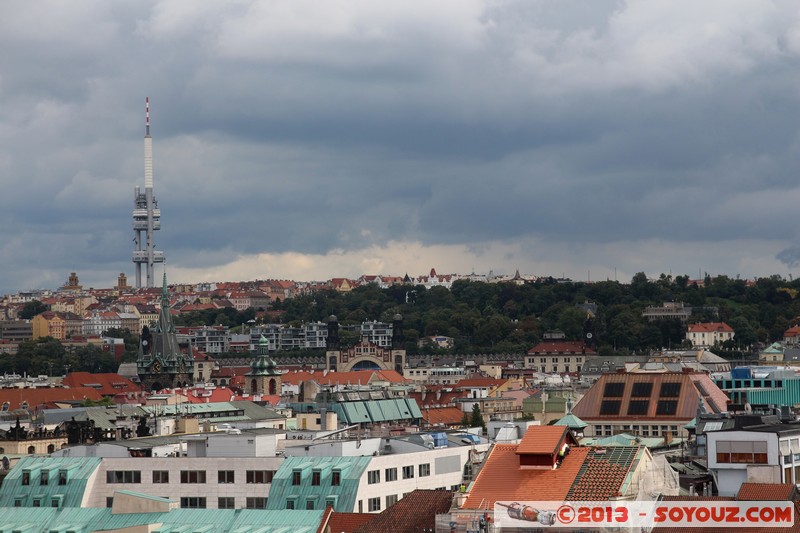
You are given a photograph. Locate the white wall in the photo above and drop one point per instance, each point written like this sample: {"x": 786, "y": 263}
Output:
{"x": 447, "y": 478}
{"x": 98, "y": 489}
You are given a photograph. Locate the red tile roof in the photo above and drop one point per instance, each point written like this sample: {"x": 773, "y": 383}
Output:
{"x": 548, "y": 347}
{"x": 708, "y": 327}
{"x": 501, "y": 479}
{"x": 108, "y": 384}
{"x": 448, "y": 416}
{"x": 767, "y": 492}
{"x": 346, "y": 522}
{"x": 415, "y": 512}
{"x": 479, "y": 383}
{"x": 35, "y": 397}
{"x": 600, "y": 478}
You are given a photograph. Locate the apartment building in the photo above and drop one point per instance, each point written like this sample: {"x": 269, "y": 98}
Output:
{"x": 768, "y": 452}
{"x": 367, "y": 476}
{"x": 558, "y": 356}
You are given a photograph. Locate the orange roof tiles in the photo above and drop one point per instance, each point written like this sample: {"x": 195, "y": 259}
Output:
{"x": 501, "y": 479}
{"x": 347, "y": 522}
{"x": 415, "y": 512}
{"x": 443, "y": 415}
{"x": 599, "y": 478}
{"x": 479, "y": 382}
{"x": 107, "y": 384}
{"x": 34, "y": 397}
{"x": 542, "y": 440}
{"x": 706, "y": 327}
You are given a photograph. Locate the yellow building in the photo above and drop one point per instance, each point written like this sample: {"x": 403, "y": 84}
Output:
{"x": 49, "y": 324}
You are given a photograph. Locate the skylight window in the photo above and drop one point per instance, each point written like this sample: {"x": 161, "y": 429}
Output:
{"x": 670, "y": 390}
{"x": 614, "y": 390}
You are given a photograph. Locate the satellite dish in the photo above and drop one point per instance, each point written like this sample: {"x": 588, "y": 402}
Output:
{"x": 748, "y": 408}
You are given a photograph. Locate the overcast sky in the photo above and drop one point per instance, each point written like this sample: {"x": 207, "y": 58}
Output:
{"x": 315, "y": 139}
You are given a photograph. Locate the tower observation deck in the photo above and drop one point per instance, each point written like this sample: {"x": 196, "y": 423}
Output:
{"x": 146, "y": 215}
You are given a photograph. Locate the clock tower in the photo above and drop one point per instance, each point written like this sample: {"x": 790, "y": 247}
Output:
{"x": 160, "y": 363}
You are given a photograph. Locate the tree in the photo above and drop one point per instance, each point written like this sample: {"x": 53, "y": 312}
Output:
{"x": 31, "y": 309}
{"x": 477, "y": 417}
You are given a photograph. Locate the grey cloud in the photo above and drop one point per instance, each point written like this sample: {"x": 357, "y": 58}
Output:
{"x": 349, "y": 125}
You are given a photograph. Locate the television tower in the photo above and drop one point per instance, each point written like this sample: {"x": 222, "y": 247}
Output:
{"x": 146, "y": 214}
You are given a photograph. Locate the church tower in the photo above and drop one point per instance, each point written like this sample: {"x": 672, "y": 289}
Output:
{"x": 160, "y": 363}
{"x": 263, "y": 377}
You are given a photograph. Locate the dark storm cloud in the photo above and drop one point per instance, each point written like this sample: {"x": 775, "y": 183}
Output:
{"x": 309, "y": 127}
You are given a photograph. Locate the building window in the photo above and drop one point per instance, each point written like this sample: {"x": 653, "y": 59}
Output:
{"x": 424, "y": 470}
{"x": 109, "y": 501}
{"x": 123, "y": 476}
{"x": 310, "y": 504}
{"x": 391, "y": 500}
{"x": 44, "y": 477}
{"x": 745, "y": 452}
{"x": 226, "y": 503}
{"x": 408, "y": 472}
{"x": 257, "y": 502}
{"x": 26, "y": 478}
{"x": 193, "y": 502}
{"x": 316, "y": 478}
{"x": 391, "y": 474}
{"x": 62, "y": 477}
{"x": 160, "y": 476}
{"x": 257, "y": 476}
{"x": 296, "y": 477}
{"x": 290, "y": 504}
{"x": 17, "y": 502}
{"x": 373, "y": 504}
{"x": 373, "y": 476}
{"x": 193, "y": 476}
{"x": 336, "y": 478}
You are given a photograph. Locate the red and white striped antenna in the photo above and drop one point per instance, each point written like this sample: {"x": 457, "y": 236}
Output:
{"x": 147, "y": 114}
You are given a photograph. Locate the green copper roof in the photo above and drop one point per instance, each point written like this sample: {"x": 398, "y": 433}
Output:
{"x": 369, "y": 411}
{"x": 77, "y": 469}
{"x": 342, "y": 496}
{"x": 571, "y": 421}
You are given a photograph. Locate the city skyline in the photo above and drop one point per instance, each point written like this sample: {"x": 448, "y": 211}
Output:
{"x": 591, "y": 141}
